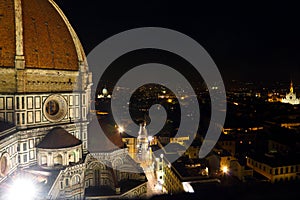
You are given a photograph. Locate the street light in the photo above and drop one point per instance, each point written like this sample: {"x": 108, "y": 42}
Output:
{"x": 225, "y": 169}
{"x": 150, "y": 138}
{"x": 22, "y": 188}
{"x": 121, "y": 129}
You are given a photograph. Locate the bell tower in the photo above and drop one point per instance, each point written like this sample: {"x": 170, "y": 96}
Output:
{"x": 142, "y": 143}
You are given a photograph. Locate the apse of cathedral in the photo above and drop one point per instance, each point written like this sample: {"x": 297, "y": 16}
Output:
{"x": 45, "y": 91}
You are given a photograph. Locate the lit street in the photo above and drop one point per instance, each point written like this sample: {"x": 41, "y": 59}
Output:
{"x": 152, "y": 186}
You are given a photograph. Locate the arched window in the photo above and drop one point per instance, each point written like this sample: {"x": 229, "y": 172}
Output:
{"x": 58, "y": 160}
{"x": 117, "y": 162}
{"x": 75, "y": 180}
{"x": 72, "y": 157}
{"x": 44, "y": 160}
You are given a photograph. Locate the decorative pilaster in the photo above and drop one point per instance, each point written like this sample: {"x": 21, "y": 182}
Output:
{"x": 50, "y": 160}
{"x": 19, "y": 58}
{"x": 65, "y": 159}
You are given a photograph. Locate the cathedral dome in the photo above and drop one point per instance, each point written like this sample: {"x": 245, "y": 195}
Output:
{"x": 38, "y": 32}
{"x": 39, "y": 49}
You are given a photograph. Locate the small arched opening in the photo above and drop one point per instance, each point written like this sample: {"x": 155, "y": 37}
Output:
{"x": 75, "y": 180}
{"x": 44, "y": 160}
{"x": 58, "y": 160}
{"x": 72, "y": 158}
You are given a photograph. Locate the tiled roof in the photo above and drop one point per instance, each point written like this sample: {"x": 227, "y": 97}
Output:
{"x": 58, "y": 138}
{"x": 7, "y": 33}
{"x": 48, "y": 43}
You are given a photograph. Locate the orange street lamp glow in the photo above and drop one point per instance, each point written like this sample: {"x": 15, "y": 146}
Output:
{"x": 121, "y": 129}
{"x": 225, "y": 169}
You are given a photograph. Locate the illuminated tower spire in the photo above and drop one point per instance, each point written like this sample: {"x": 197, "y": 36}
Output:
{"x": 291, "y": 88}
{"x": 142, "y": 142}
{"x": 291, "y": 97}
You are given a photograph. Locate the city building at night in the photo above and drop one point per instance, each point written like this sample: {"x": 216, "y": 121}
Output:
{"x": 278, "y": 162}
{"x": 240, "y": 170}
{"x": 178, "y": 176}
{"x": 228, "y": 142}
{"x": 291, "y": 97}
{"x": 275, "y": 168}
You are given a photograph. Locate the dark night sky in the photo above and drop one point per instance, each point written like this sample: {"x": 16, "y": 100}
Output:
{"x": 245, "y": 42}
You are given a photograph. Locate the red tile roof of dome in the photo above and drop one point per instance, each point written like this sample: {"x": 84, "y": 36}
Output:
{"x": 47, "y": 39}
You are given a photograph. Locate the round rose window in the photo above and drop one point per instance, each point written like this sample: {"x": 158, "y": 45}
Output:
{"x": 55, "y": 108}
{"x": 52, "y": 107}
